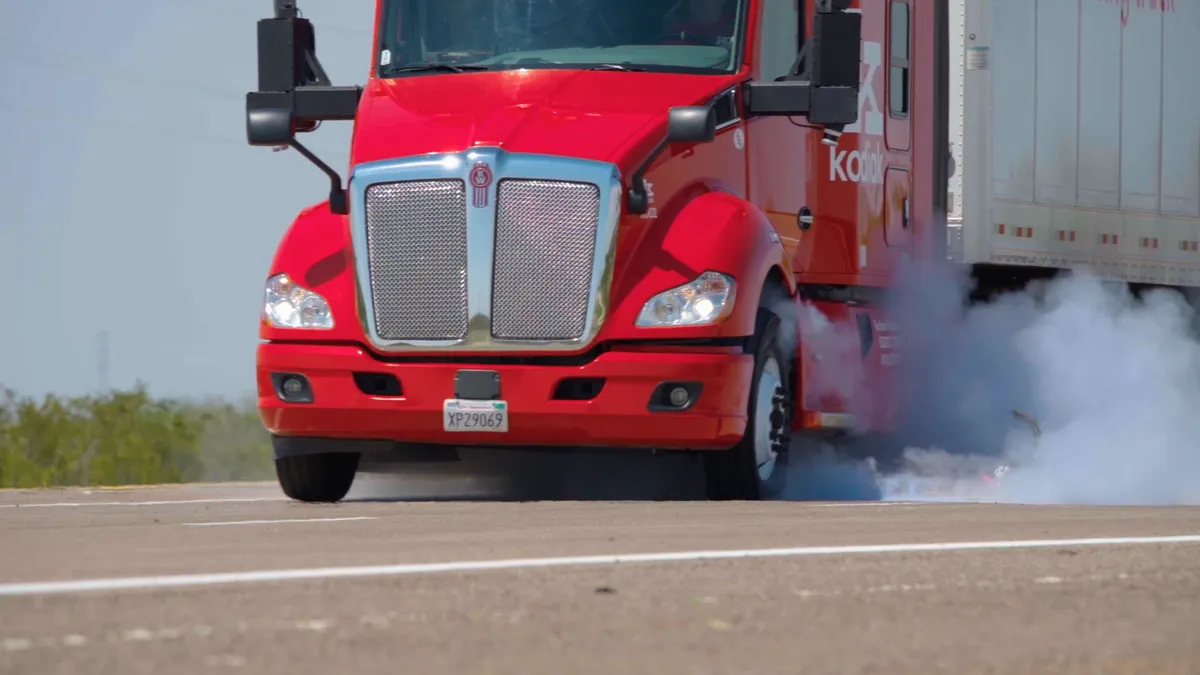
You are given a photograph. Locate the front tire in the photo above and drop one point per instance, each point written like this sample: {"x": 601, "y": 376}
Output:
{"x": 756, "y": 468}
{"x": 324, "y": 477}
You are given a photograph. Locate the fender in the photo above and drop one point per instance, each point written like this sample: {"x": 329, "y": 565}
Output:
{"x": 315, "y": 251}
{"x": 715, "y": 230}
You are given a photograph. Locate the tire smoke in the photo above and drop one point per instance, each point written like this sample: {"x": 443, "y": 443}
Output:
{"x": 1071, "y": 391}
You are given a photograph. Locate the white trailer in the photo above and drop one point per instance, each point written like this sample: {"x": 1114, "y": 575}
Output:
{"x": 1075, "y": 133}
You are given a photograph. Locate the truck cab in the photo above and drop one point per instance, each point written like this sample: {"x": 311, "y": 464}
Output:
{"x": 637, "y": 224}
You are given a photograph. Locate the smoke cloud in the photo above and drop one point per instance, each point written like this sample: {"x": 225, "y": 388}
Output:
{"x": 1069, "y": 391}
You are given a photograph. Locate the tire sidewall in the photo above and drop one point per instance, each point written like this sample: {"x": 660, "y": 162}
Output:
{"x": 767, "y": 348}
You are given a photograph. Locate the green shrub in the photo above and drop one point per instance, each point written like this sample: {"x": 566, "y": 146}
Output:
{"x": 128, "y": 438}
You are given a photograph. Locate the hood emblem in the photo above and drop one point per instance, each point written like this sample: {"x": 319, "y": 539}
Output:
{"x": 481, "y": 180}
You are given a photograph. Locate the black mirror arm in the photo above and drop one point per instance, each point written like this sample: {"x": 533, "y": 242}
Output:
{"x": 823, "y": 6}
{"x": 317, "y": 69}
{"x": 338, "y": 203}
{"x": 638, "y": 201}
{"x": 800, "y": 67}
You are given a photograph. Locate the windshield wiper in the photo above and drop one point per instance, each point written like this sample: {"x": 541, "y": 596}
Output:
{"x": 618, "y": 66}
{"x": 430, "y": 67}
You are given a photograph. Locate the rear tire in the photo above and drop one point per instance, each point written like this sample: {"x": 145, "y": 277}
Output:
{"x": 756, "y": 468}
{"x": 324, "y": 477}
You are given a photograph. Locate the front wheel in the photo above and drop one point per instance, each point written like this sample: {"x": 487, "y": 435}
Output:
{"x": 324, "y": 477}
{"x": 756, "y": 468}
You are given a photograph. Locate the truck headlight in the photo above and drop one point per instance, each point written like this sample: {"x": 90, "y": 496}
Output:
{"x": 289, "y": 305}
{"x": 707, "y": 300}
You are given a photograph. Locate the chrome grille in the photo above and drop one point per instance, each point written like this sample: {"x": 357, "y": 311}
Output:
{"x": 417, "y": 257}
{"x": 545, "y": 245}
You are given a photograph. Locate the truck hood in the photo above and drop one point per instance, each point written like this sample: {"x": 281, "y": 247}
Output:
{"x": 588, "y": 114}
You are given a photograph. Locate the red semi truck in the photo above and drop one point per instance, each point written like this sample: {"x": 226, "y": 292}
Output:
{"x": 600, "y": 223}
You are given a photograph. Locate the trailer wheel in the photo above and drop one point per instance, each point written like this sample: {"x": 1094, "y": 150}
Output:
{"x": 324, "y": 477}
{"x": 756, "y": 468}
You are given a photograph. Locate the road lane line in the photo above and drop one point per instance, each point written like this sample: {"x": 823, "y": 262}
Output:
{"x": 844, "y": 504}
{"x": 167, "y": 502}
{"x": 181, "y": 580}
{"x": 217, "y": 523}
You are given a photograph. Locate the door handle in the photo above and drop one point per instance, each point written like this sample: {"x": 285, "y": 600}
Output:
{"x": 904, "y": 218}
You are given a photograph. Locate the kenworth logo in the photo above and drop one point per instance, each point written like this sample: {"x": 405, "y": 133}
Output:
{"x": 864, "y": 165}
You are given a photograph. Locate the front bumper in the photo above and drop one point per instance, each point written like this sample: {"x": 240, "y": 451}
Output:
{"x": 618, "y": 417}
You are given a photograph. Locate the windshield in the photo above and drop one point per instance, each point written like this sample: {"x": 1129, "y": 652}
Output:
{"x": 428, "y": 36}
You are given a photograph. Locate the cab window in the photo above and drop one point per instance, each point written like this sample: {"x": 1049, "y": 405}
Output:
{"x": 780, "y": 41}
{"x": 423, "y": 37}
{"x": 898, "y": 60}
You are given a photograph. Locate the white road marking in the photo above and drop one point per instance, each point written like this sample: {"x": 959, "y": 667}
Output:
{"x": 74, "y": 640}
{"x": 841, "y": 504}
{"x": 216, "y": 523}
{"x": 230, "y": 500}
{"x": 181, "y": 580}
{"x": 236, "y": 500}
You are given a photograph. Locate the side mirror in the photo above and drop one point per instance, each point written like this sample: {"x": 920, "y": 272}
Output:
{"x": 284, "y": 45}
{"x": 270, "y": 127}
{"x": 294, "y": 94}
{"x": 685, "y": 124}
{"x": 827, "y": 91}
{"x": 692, "y": 124}
{"x": 836, "y": 53}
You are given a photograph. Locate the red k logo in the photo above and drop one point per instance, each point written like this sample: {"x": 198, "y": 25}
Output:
{"x": 481, "y": 181}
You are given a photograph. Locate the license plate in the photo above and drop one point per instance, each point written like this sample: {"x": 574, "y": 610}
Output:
{"x": 489, "y": 416}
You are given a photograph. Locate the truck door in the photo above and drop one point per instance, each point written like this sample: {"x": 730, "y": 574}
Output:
{"x": 776, "y": 146}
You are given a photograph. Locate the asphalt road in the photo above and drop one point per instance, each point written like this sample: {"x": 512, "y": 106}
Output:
{"x": 205, "y": 579}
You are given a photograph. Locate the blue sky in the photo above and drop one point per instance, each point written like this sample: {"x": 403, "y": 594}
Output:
{"x": 131, "y": 202}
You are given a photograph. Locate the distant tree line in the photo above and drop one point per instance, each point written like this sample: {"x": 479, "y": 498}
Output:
{"x": 129, "y": 438}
